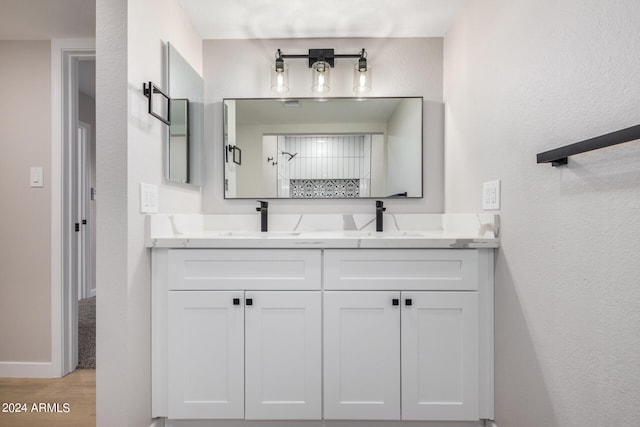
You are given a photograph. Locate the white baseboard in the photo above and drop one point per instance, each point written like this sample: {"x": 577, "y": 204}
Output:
{"x": 490, "y": 423}
{"x": 27, "y": 370}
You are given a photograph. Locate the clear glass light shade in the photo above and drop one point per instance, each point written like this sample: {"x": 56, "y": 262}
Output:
{"x": 361, "y": 80}
{"x": 320, "y": 72}
{"x": 280, "y": 79}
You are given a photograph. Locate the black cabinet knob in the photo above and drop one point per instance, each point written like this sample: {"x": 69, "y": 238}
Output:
{"x": 236, "y": 301}
{"x": 395, "y": 301}
{"x": 408, "y": 301}
{"x": 249, "y": 301}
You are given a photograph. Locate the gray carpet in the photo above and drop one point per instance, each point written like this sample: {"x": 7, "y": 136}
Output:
{"x": 87, "y": 333}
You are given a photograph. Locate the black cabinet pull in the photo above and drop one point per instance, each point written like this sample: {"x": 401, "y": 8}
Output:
{"x": 408, "y": 301}
{"x": 236, "y": 301}
{"x": 395, "y": 301}
{"x": 249, "y": 301}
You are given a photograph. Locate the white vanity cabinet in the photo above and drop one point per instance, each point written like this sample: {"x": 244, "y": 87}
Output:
{"x": 283, "y": 356}
{"x": 440, "y": 356}
{"x": 398, "y": 354}
{"x": 327, "y": 335}
{"x": 361, "y": 355}
{"x": 206, "y": 355}
{"x": 238, "y": 347}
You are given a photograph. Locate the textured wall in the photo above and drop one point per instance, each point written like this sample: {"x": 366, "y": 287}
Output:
{"x": 111, "y": 224}
{"x": 130, "y": 51}
{"x": 521, "y": 77}
{"x": 400, "y": 67}
{"x": 25, "y": 257}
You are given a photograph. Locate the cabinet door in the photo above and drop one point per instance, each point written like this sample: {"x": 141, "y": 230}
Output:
{"x": 283, "y": 355}
{"x": 440, "y": 356}
{"x": 361, "y": 355}
{"x": 206, "y": 355}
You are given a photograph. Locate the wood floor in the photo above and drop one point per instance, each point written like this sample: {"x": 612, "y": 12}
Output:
{"x": 60, "y": 402}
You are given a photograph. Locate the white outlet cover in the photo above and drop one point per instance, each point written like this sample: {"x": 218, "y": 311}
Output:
{"x": 491, "y": 195}
{"x": 148, "y": 198}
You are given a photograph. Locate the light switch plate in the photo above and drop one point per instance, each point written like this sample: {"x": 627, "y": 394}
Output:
{"x": 491, "y": 195}
{"x": 36, "y": 178}
{"x": 148, "y": 198}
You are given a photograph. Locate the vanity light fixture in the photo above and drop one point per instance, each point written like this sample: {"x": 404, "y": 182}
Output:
{"x": 361, "y": 75}
{"x": 280, "y": 75}
{"x": 320, "y": 62}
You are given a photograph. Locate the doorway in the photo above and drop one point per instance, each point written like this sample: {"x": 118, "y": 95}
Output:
{"x": 78, "y": 224}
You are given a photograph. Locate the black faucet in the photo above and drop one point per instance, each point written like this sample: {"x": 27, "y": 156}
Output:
{"x": 264, "y": 212}
{"x": 379, "y": 210}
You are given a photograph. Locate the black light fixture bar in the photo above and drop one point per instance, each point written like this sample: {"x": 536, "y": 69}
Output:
{"x": 327, "y": 55}
{"x": 558, "y": 156}
{"x": 347, "y": 55}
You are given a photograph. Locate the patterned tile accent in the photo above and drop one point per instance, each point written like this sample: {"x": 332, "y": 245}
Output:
{"x": 324, "y": 188}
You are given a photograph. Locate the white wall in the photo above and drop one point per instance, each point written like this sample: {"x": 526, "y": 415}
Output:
{"x": 400, "y": 67}
{"x": 403, "y": 159}
{"x": 521, "y": 77}
{"x": 379, "y": 163}
{"x": 130, "y": 51}
{"x": 25, "y": 259}
{"x": 269, "y": 171}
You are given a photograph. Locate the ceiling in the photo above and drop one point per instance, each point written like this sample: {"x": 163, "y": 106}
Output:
{"x": 243, "y": 19}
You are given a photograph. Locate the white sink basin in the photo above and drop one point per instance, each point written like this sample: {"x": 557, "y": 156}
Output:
{"x": 254, "y": 234}
{"x": 397, "y": 233}
{"x": 338, "y": 234}
{"x": 363, "y": 234}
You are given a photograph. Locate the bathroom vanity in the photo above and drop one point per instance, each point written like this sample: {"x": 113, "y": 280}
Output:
{"x": 322, "y": 325}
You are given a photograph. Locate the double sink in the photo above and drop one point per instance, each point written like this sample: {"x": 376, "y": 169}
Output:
{"x": 347, "y": 234}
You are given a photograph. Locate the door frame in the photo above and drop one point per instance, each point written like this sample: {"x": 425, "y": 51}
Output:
{"x": 64, "y": 307}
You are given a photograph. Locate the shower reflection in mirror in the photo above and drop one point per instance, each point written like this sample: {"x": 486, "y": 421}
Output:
{"x": 328, "y": 166}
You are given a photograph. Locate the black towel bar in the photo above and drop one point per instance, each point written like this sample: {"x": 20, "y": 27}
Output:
{"x": 148, "y": 92}
{"x": 558, "y": 156}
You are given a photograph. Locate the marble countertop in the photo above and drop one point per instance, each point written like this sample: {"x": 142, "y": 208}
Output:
{"x": 323, "y": 231}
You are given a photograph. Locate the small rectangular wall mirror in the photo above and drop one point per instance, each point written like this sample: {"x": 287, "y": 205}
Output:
{"x": 324, "y": 148}
{"x": 185, "y": 134}
{"x": 179, "y": 140}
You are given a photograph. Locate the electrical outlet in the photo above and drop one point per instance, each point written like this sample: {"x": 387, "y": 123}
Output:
{"x": 148, "y": 198}
{"x": 491, "y": 195}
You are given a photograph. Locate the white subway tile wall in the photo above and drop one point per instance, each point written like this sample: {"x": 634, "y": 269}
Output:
{"x": 324, "y": 159}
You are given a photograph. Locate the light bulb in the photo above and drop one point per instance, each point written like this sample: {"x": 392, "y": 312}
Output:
{"x": 280, "y": 78}
{"x": 320, "y": 72}
{"x": 361, "y": 79}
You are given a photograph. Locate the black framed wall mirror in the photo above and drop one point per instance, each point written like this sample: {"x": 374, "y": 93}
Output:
{"x": 185, "y": 135}
{"x": 324, "y": 148}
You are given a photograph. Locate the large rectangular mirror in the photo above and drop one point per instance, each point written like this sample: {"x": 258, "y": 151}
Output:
{"x": 185, "y": 135}
{"x": 323, "y": 148}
